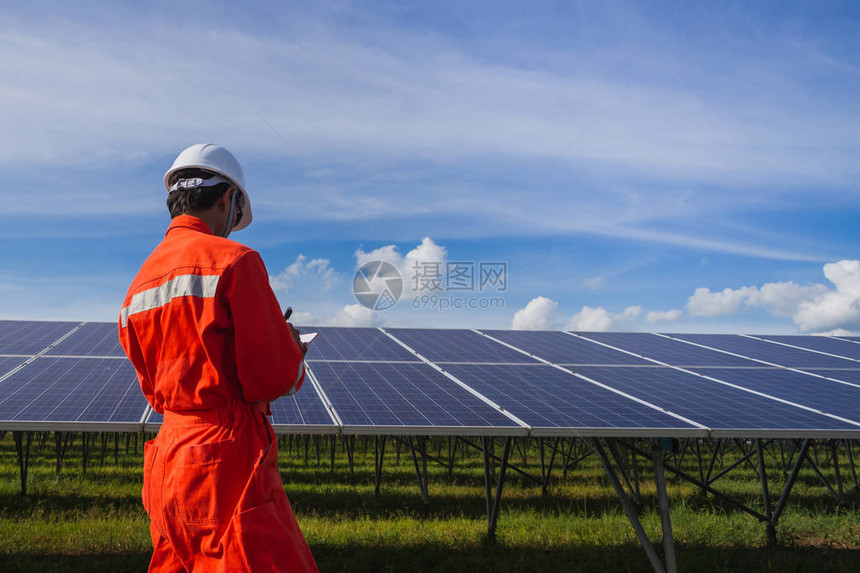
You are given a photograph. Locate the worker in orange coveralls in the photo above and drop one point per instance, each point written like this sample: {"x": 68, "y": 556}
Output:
{"x": 205, "y": 333}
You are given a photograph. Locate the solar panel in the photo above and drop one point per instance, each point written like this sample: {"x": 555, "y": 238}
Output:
{"x": 667, "y": 350}
{"x": 817, "y": 393}
{"x": 153, "y": 421}
{"x": 726, "y": 410}
{"x": 304, "y": 408}
{"x": 92, "y": 339}
{"x": 448, "y": 345}
{"x": 846, "y": 375}
{"x": 766, "y": 351}
{"x": 561, "y": 348}
{"x": 547, "y": 399}
{"x": 820, "y": 343}
{"x": 31, "y": 337}
{"x": 405, "y": 398}
{"x": 60, "y": 390}
{"x": 9, "y": 363}
{"x": 335, "y": 343}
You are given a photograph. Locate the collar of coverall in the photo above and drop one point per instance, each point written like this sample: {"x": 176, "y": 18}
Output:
{"x": 189, "y": 222}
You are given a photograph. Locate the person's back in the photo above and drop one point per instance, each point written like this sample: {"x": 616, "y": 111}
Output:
{"x": 204, "y": 332}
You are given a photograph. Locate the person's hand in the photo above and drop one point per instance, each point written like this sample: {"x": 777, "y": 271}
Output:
{"x": 302, "y": 345}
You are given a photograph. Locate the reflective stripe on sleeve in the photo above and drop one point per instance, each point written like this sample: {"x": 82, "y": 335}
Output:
{"x": 183, "y": 285}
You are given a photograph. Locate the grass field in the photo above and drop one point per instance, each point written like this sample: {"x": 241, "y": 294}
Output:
{"x": 73, "y": 521}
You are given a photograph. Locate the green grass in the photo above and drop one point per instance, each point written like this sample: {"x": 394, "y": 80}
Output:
{"x": 94, "y": 521}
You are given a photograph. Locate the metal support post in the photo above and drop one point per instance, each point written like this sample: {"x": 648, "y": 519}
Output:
{"x": 780, "y": 506}
{"x": 422, "y": 478}
{"x": 833, "y": 449}
{"x": 849, "y": 447}
{"x": 349, "y": 442}
{"x": 23, "y": 457}
{"x": 665, "y": 521}
{"x": 378, "y": 455}
{"x": 628, "y": 508}
{"x": 762, "y": 474}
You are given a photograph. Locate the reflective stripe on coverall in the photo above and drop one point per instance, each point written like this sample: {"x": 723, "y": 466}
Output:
{"x": 206, "y": 336}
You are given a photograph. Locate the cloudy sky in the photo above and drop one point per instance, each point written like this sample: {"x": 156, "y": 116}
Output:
{"x": 636, "y": 166}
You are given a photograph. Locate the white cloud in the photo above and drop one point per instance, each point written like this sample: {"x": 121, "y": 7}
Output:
{"x": 426, "y": 262}
{"x": 728, "y": 301}
{"x": 593, "y": 282}
{"x": 813, "y": 308}
{"x": 355, "y": 315}
{"x": 600, "y": 320}
{"x": 539, "y": 314}
{"x": 664, "y": 316}
{"x": 837, "y": 308}
{"x": 304, "y": 319}
{"x": 319, "y": 270}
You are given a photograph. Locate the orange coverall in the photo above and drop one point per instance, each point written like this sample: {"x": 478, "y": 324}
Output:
{"x": 206, "y": 336}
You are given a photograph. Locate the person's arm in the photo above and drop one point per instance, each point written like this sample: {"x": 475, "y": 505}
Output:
{"x": 269, "y": 360}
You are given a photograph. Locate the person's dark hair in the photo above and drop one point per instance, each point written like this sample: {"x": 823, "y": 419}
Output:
{"x": 182, "y": 201}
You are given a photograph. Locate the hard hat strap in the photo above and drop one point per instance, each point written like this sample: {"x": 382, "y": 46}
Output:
{"x": 229, "y": 226}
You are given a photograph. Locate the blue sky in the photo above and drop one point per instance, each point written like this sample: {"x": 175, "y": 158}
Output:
{"x": 709, "y": 182}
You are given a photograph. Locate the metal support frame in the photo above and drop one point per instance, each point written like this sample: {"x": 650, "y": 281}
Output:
{"x": 420, "y": 471}
{"x": 494, "y": 501}
{"x": 378, "y": 456}
{"x": 849, "y": 446}
{"x": 762, "y": 473}
{"x": 23, "y": 456}
{"x": 629, "y": 509}
{"x": 663, "y": 503}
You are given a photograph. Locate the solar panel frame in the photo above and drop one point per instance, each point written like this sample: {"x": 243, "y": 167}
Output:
{"x": 560, "y": 348}
{"x": 96, "y": 339}
{"x": 825, "y": 395}
{"x": 379, "y": 399}
{"x": 307, "y": 404}
{"x": 765, "y": 351}
{"x": 850, "y": 375}
{"x": 9, "y": 363}
{"x": 71, "y": 401}
{"x": 354, "y": 344}
{"x": 534, "y": 392}
{"x": 447, "y": 345}
{"x": 666, "y": 350}
{"x": 32, "y": 337}
{"x": 819, "y": 343}
{"x": 698, "y": 398}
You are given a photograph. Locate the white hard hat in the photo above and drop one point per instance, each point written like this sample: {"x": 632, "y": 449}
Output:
{"x": 214, "y": 158}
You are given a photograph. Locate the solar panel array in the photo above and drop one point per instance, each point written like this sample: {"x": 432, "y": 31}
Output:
{"x": 74, "y": 376}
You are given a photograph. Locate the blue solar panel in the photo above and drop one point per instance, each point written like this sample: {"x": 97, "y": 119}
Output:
{"x": 154, "y": 421}
{"x": 846, "y": 375}
{"x": 766, "y": 351}
{"x": 817, "y": 393}
{"x": 335, "y": 343}
{"x": 400, "y": 396}
{"x": 714, "y": 405}
{"x": 7, "y": 364}
{"x": 303, "y": 408}
{"x": 72, "y": 390}
{"x": 92, "y": 339}
{"x": 447, "y": 345}
{"x": 561, "y": 348}
{"x": 546, "y": 397}
{"x": 28, "y": 337}
{"x": 666, "y": 350}
{"x": 820, "y": 343}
